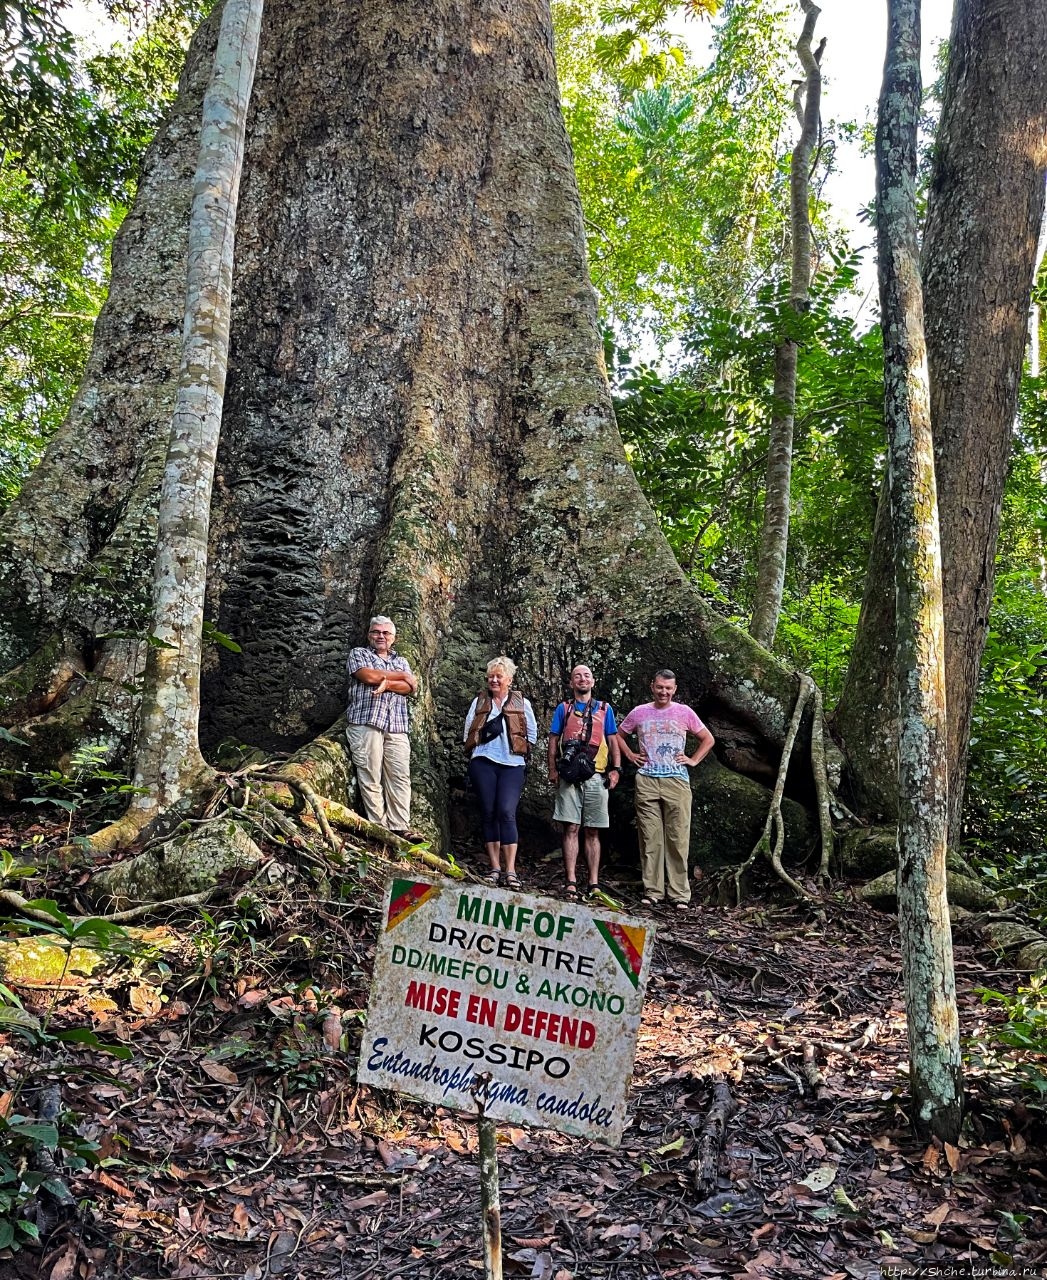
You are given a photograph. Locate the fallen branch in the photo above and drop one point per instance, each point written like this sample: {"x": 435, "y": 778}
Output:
{"x": 740, "y": 967}
{"x": 811, "y": 1073}
{"x": 12, "y": 898}
{"x": 316, "y": 808}
{"x": 148, "y": 908}
{"x": 712, "y": 1137}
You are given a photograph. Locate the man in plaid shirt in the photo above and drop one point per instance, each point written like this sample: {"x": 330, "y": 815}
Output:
{"x": 380, "y": 682}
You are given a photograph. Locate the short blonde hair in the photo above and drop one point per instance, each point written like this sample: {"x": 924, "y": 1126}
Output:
{"x": 505, "y": 664}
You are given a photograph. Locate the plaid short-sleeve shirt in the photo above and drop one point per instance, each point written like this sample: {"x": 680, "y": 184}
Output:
{"x": 386, "y": 711}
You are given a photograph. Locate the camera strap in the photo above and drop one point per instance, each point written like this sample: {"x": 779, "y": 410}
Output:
{"x": 569, "y": 710}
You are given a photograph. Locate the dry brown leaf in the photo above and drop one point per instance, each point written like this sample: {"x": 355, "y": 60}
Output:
{"x": 218, "y": 1072}
{"x": 65, "y": 1267}
{"x": 954, "y": 1156}
{"x": 333, "y": 1030}
{"x": 107, "y": 1180}
{"x": 367, "y": 1202}
{"x": 145, "y": 1000}
{"x": 250, "y": 998}
{"x": 937, "y": 1216}
{"x": 931, "y": 1158}
{"x": 282, "y": 1251}
{"x": 797, "y": 1130}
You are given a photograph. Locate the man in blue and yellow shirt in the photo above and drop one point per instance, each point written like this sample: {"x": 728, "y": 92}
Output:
{"x": 583, "y": 804}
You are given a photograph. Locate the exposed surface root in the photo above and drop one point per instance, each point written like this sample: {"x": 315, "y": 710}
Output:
{"x": 772, "y": 839}
{"x": 821, "y": 784}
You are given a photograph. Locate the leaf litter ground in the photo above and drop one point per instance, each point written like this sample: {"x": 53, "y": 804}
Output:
{"x": 235, "y": 1143}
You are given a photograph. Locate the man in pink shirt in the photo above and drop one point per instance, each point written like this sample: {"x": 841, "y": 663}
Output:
{"x": 663, "y": 788}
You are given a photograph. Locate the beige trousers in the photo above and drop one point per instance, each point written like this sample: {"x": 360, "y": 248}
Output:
{"x": 663, "y": 823}
{"x": 383, "y": 774}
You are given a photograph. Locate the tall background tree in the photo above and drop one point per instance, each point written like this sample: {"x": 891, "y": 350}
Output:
{"x": 985, "y": 208}
{"x": 774, "y": 536}
{"x": 919, "y": 649}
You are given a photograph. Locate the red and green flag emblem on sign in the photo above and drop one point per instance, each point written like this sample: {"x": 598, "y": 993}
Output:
{"x": 626, "y": 942}
{"x": 406, "y": 897}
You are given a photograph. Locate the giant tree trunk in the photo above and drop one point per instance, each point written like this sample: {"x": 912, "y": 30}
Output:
{"x": 417, "y": 419}
{"x": 979, "y": 251}
{"x": 923, "y": 912}
{"x": 774, "y": 536}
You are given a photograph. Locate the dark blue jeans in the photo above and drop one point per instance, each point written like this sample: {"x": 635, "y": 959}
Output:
{"x": 499, "y": 787}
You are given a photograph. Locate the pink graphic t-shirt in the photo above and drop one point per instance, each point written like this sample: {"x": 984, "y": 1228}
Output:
{"x": 663, "y": 735}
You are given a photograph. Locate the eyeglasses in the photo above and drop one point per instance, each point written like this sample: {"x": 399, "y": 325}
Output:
{"x": 377, "y": 632}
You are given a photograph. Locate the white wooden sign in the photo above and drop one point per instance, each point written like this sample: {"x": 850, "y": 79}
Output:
{"x": 543, "y": 994}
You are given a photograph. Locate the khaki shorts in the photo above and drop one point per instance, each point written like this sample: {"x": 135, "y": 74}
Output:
{"x": 582, "y": 806}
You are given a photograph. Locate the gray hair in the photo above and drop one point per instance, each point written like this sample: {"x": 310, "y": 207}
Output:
{"x": 380, "y": 617}
{"x": 504, "y": 664}
{"x": 664, "y": 674}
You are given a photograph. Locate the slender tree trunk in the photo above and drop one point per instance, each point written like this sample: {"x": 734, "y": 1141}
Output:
{"x": 979, "y": 251}
{"x": 774, "y": 538}
{"x": 169, "y": 760}
{"x": 1035, "y": 338}
{"x": 930, "y": 996}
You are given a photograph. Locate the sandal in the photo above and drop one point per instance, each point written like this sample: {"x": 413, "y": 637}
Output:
{"x": 649, "y": 903}
{"x": 570, "y": 891}
{"x": 493, "y": 877}
{"x": 592, "y": 890}
{"x": 511, "y": 880}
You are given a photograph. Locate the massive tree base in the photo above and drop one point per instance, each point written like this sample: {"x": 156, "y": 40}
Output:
{"x": 417, "y": 422}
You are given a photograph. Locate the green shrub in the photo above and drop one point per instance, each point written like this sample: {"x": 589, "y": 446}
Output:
{"x": 1025, "y": 1029}
{"x": 1007, "y": 774}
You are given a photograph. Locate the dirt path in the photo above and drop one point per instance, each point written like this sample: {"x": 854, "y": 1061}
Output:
{"x": 235, "y": 1145}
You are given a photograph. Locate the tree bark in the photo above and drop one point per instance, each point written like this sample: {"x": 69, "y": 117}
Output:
{"x": 923, "y": 911}
{"x": 417, "y": 420}
{"x": 774, "y": 536}
{"x": 984, "y": 213}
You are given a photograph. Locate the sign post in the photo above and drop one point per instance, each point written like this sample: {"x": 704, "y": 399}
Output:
{"x": 507, "y": 1006}
{"x": 490, "y": 1203}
